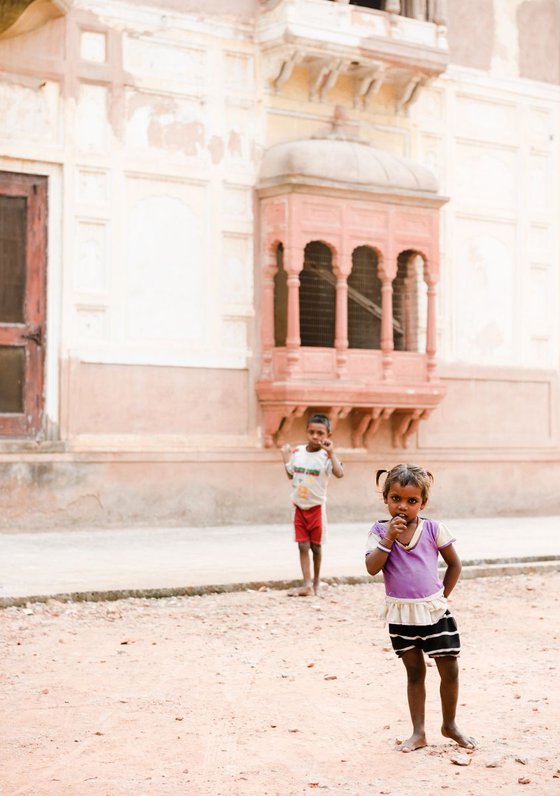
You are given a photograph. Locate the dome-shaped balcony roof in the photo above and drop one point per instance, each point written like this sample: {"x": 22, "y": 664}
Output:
{"x": 345, "y": 164}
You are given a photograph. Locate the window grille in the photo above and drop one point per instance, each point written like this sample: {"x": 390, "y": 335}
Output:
{"x": 409, "y": 303}
{"x": 364, "y": 300}
{"x": 13, "y": 219}
{"x": 424, "y": 10}
{"x": 317, "y": 297}
{"x": 280, "y": 299}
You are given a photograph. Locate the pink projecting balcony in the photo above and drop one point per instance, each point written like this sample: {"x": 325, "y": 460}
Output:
{"x": 350, "y": 266}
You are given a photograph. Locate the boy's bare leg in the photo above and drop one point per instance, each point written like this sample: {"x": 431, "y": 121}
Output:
{"x": 306, "y": 590}
{"x": 449, "y": 691}
{"x": 316, "y": 549}
{"x": 416, "y": 692}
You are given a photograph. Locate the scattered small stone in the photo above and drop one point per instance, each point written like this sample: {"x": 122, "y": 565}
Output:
{"x": 524, "y": 780}
{"x": 330, "y": 677}
{"x": 494, "y": 762}
{"x": 461, "y": 760}
{"x": 178, "y": 718}
{"x": 522, "y": 760}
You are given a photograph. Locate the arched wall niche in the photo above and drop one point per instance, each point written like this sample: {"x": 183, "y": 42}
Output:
{"x": 350, "y": 264}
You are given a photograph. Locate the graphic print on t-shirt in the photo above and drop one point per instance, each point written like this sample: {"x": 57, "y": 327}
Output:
{"x": 310, "y": 470}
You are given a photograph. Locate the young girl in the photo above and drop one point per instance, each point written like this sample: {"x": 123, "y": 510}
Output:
{"x": 406, "y": 548}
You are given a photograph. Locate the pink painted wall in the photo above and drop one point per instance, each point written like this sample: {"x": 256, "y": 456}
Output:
{"x": 139, "y": 399}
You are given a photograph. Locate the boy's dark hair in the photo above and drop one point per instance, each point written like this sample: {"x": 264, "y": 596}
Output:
{"x": 323, "y": 419}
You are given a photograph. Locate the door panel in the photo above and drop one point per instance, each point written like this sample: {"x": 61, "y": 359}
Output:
{"x": 23, "y": 240}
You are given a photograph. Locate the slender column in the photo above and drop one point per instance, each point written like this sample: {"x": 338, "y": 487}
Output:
{"x": 387, "y": 344}
{"x": 341, "y": 329}
{"x": 431, "y": 329}
{"x": 439, "y": 12}
{"x": 393, "y": 6}
{"x": 293, "y": 266}
{"x": 419, "y": 9}
{"x": 268, "y": 318}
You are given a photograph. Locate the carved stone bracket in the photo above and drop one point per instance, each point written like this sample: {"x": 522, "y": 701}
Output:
{"x": 366, "y": 424}
{"x": 336, "y": 413}
{"x": 323, "y": 74}
{"x": 409, "y": 93}
{"x": 286, "y": 423}
{"x": 368, "y": 85}
{"x": 405, "y": 425}
{"x": 284, "y": 66}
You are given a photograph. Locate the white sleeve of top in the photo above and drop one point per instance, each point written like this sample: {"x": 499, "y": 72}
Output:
{"x": 372, "y": 542}
{"x": 444, "y": 535}
{"x": 290, "y": 464}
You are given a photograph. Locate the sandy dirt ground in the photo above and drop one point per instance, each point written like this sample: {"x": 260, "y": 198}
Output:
{"x": 259, "y": 694}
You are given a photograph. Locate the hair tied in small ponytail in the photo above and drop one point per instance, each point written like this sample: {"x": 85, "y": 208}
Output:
{"x": 378, "y": 475}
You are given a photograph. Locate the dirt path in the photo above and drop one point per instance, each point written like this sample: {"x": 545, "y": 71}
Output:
{"x": 255, "y": 694}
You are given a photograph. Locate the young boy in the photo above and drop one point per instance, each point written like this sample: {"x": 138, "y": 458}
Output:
{"x": 309, "y": 467}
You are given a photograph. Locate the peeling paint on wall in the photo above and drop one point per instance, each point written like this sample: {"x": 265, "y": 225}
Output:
{"x": 538, "y": 23}
{"x": 216, "y": 149}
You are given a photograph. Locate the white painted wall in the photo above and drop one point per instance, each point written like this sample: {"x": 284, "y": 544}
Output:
{"x": 493, "y": 145}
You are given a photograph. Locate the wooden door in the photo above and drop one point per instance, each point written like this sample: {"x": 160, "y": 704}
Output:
{"x": 23, "y": 241}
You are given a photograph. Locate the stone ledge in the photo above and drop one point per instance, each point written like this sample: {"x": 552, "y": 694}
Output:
{"x": 506, "y": 567}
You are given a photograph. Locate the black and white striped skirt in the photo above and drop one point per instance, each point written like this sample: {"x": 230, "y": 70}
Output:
{"x": 435, "y": 640}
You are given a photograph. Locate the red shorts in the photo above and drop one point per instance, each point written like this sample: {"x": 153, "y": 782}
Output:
{"x": 309, "y": 524}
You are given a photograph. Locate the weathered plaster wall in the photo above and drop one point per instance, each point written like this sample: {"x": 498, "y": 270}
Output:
{"x": 508, "y": 38}
{"x": 197, "y": 492}
{"x": 494, "y": 151}
{"x": 470, "y": 32}
{"x": 538, "y": 24}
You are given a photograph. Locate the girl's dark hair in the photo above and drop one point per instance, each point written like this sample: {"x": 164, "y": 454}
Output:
{"x": 323, "y": 419}
{"x": 404, "y": 475}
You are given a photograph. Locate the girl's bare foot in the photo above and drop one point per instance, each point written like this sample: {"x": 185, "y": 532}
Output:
{"x": 455, "y": 734}
{"x": 416, "y": 741}
{"x": 302, "y": 591}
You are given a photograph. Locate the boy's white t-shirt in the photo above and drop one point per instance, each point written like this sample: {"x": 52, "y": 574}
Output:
{"x": 310, "y": 471}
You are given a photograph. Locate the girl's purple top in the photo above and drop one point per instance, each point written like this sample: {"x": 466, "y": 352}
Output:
{"x": 412, "y": 574}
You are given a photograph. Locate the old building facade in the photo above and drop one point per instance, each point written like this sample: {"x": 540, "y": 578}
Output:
{"x": 217, "y": 217}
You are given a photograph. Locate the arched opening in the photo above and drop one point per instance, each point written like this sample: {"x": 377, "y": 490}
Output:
{"x": 364, "y": 300}
{"x": 317, "y": 297}
{"x": 280, "y": 299}
{"x": 409, "y": 303}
